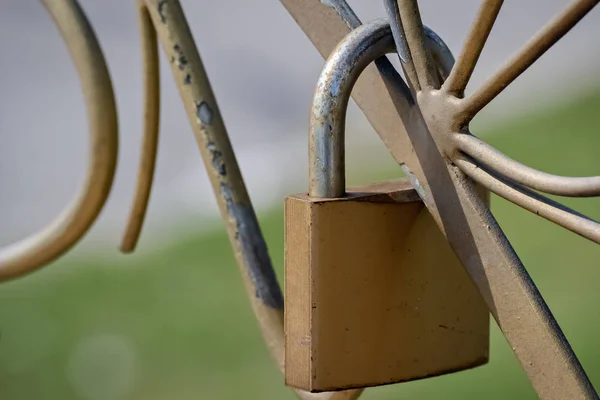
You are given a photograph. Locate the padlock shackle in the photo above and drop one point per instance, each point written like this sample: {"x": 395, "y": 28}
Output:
{"x": 362, "y": 46}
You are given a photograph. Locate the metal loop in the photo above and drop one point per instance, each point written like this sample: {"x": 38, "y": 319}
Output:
{"x": 327, "y": 120}
{"x": 59, "y": 236}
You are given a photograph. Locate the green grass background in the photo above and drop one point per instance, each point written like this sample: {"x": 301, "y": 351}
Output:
{"x": 177, "y": 325}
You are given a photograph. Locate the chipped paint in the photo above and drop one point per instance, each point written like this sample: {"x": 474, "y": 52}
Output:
{"x": 204, "y": 112}
{"x": 181, "y": 59}
{"x": 415, "y": 182}
{"x": 161, "y": 7}
{"x": 217, "y": 159}
{"x": 253, "y": 250}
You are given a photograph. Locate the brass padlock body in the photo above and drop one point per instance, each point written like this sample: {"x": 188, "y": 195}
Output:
{"x": 374, "y": 293}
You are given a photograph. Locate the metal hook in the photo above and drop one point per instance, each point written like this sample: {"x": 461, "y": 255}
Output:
{"x": 59, "y": 236}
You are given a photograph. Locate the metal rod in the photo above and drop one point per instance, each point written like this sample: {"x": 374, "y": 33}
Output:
{"x": 232, "y": 197}
{"x": 393, "y": 13}
{"x": 524, "y": 175}
{"x": 149, "y": 146}
{"x": 415, "y": 38}
{"x": 465, "y": 64}
{"x": 530, "y": 200}
{"x": 528, "y": 54}
{"x": 71, "y": 225}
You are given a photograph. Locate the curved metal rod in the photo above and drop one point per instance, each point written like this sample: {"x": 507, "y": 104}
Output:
{"x": 408, "y": 66}
{"x": 530, "y": 200}
{"x": 524, "y": 175}
{"x": 244, "y": 232}
{"x": 59, "y": 236}
{"x": 351, "y": 56}
{"x": 415, "y": 40}
{"x": 442, "y": 56}
{"x": 435, "y": 45}
{"x": 149, "y": 147}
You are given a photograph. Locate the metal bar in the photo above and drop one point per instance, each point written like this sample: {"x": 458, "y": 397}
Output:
{"x": 393, "y": 13}
{"x": 473, "y": 233}
{"x": 71, "y": 225}
{"x": 530, "y": 200}
{"x": 415, "y": 38}
{"x": 534, "y": 49}
{"x": 150, "y": 134}
{"x": 524, "y": 175}
{"x": 465, "y": 64}
{"x": 232, "y": 197}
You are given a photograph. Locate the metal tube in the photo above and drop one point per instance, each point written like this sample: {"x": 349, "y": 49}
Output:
{"x": 149, "y": 147}
{"x": 480, "y": 30}
{"x": 530, "y": 200}
{"x": 415, "y": 40}
{"x": 393, "y": 13}
{"x": 524, "y": 175}
{"x": 71, "y": 225}
{"x": 527, "y": 55}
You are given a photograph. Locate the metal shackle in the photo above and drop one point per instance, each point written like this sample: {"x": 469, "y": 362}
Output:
{"x": 362, "y": 46}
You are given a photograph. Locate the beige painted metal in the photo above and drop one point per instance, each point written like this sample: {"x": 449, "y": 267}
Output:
{"x": 150, "y": 135}
{"x": 421, "y": 143}
{"x": 71, "y": 225}
{"x": 374, "y": 293}
{"x": 427, "y": 132}
{"x": 168, "y": 21}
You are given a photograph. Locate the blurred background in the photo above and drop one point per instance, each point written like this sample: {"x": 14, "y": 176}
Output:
{"x": 172, "y": 321}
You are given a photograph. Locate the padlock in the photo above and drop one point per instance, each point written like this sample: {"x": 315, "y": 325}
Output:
{"x": 374, "y": 294}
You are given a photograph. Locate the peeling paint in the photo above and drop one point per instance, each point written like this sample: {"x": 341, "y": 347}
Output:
{"x": 204, "y": 113}
{"x": 181, "y": 59}
{"x": 217, "y": 159}
{"x": 253, "y": 250}
{"x": 415, "y": 182}
{"x": 161, "y": 7}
